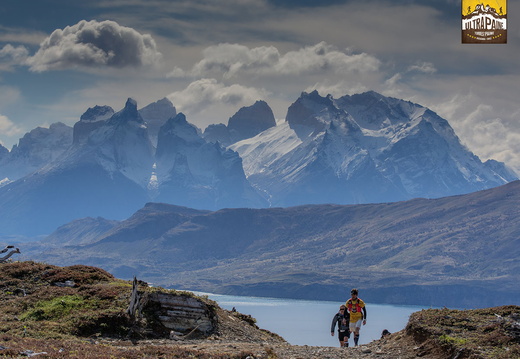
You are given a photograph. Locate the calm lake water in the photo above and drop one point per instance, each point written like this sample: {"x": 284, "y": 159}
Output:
{"x": 307, "y": 322}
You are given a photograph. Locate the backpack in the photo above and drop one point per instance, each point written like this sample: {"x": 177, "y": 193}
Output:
{"x": 355, "y": 304}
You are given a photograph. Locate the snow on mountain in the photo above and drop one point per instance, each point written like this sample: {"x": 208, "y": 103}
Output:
{"x": 246, "y": 123}
{"x": 195, "y": 173}
{"x": 362, "y": 148}
{"x": 421, "y": 151}
{"x": 155, "y": 115}
{"x": 91, "y": 120}
{"x": 111, "y": 171}
{"x": 250, "y": 121}
{"x": 358, "y": 149}
{"x": 105, "y": 176}
{"x": 34, "y": 150}
{"x": 122, "y": 145}
{"x": 218, "y": 133}
{"x": 502, "y": 170}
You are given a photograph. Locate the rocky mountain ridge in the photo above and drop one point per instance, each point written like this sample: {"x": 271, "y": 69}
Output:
{"x": 364, "y": 148}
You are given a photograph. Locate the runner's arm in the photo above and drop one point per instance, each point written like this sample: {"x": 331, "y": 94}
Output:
{"x": 333, "y": 325}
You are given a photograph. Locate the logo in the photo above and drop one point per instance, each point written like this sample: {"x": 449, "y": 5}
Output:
{"x": 484, "y": 23}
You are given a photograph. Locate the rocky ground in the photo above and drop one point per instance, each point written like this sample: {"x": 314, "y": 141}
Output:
{"x": 430, "y": 334}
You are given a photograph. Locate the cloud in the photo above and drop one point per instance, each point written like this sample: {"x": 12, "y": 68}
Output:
{"x": 11, "y": 56}
{"x": 8, "y": 128}
{"x": 424, "y": 67}
{"x": 94, "y": 44}
{"x": 20, "y": 35}
{"x": 204, "y": 93}
{"x": 324, "y": 57}
{"x": 230, "y": 60}
{"x": 486, "y": 129}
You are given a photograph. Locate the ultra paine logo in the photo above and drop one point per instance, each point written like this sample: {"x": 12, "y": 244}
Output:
{"x": 484, "y": 23}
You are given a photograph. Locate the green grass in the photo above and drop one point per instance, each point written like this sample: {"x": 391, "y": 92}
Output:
{"x": 55, "y": 308}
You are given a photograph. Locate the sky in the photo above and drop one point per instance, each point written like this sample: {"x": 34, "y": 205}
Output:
{"x": 212, "y": 57}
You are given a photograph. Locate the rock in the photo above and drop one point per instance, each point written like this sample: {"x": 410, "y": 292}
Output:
{"x": 67, "y": 283}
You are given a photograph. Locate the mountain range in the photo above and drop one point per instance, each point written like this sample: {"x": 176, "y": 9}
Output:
{"x": 459, "y": 251}
{"x": 364, "y": 148}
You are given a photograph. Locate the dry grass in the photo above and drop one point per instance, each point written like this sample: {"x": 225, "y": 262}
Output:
{"x": 70, "y": 322}
{"x": 89, "y": 320}
{"x": 480, "y": 333}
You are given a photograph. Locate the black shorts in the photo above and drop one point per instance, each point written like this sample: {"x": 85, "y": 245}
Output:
{"x": 343, "y": 334}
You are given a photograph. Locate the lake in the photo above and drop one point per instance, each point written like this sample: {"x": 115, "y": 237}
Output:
{"x": 307, "y": 322}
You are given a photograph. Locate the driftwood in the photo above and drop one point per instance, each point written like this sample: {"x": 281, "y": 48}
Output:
{"x": 135, "y": 308}
{"x": 8, "y": 255}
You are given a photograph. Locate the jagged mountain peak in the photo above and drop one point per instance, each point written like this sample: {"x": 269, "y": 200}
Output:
{"x": 374, "y": 111}
{"x": 97, "y": 113}
{"x": 128, "y": 114}
{"x": 246, "y": 123}
{"x": 314, "y": 97}
{"x": 363, "y": 148}
{"x": 355, "y": 149}
{"x": 42, "y": 145}
{"x": 311, "y": 113}
{"x": 91, "y": 120}
{"x": 181, "y": 128}
{"x": 250, "y": 121}
{"x": 156, "y": 114}
{"x": 158, "y": 111}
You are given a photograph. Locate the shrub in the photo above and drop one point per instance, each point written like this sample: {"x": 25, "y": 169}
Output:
{"x": 54, "y": 309}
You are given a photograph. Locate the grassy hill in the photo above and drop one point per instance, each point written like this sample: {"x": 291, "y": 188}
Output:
{"x": 81, "y": 312}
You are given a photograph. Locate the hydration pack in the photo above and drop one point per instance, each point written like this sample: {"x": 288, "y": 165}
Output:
{"x": 351, "y": 304}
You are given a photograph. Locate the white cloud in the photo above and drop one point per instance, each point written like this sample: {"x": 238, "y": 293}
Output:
{"x": 21, "y": 35}
{"x": 323, "y": 57}
{"x": 477, "y": 123}
{"x": 424, "y": 67}
{"x": 10, "y": 56}
{"x": 204, "y": 93}
{"x": 8, "y": 128}
{"x": 230, "y": 60}
{"x": 94, "y": 44}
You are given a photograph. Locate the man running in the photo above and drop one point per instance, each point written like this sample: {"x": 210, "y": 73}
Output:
{"x": 341, "y": 319}
{"x": 358, "y": 314}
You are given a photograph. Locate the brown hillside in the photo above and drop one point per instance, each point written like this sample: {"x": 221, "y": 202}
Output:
{"x": 81, "y": 312}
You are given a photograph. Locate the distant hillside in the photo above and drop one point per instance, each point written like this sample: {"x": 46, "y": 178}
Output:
{"x": 441, "y": 252}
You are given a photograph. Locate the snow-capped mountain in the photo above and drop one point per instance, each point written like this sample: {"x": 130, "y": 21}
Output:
{"x": 355, "y": 149}
{"x": 91, "y": 120}
{"x": 200, "y": 174}
{"x": 34, "y": 150}
{"x": 362, "y": 148}
{"x": 102, "y": 176}
{"x": 155, "y": 115}
{"x": 110, "y": 171}
{"x": 246, "y": 123}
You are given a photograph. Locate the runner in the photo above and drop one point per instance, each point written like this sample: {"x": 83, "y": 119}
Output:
{"x": 358, "y": 314}
{"x": 341, "y": 319}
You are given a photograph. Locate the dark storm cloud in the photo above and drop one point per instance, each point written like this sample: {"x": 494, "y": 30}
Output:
{"x": 94, "y": 44}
